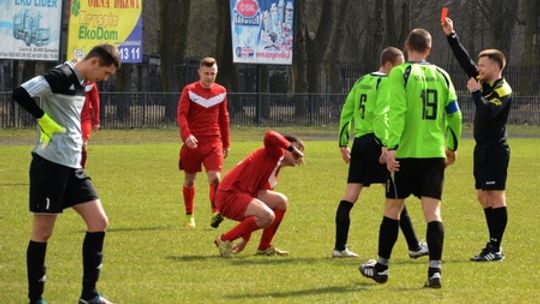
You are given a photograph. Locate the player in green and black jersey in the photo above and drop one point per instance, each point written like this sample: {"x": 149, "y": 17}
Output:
{"x": 424, "y": 124}
{"x": 366, "y": 107}
{"x": 492, "y": 97}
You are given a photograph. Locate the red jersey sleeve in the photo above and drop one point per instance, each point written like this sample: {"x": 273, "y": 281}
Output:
{"x": 93, "y": 95}
{"x": 182, "y": 114}
{"x": 224, "y": 125}
{"x": 275, "y": 143}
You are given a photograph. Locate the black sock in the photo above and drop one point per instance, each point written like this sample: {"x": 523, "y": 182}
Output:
{"x": 388, "y": 234}
{"x": 343, "y": 222}
{"x": 35, "y": 265}
{"x": 435, "y": 240}
{"x": 500, "y": 219}
{"x": 92, "y": 258}
{"x": 408, "y": 231}
{"x": 488, "y": 212}
{"x": 433, "y": 270}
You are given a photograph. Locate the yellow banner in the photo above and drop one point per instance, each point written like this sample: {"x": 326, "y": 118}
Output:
{"x": 92, "y": 22}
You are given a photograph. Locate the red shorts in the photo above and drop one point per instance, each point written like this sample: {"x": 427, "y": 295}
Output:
{"x": 208, "y": 153}
{"x": 232, "y": 204}
{"x": 86, "y": 127}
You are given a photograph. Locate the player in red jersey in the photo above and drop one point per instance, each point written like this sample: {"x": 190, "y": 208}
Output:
{"x": 89, "y": 117}
{"x": 246, "y": 194}
{"x": 203, "y": 120}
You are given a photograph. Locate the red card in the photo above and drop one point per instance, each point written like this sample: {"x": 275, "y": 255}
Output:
{"x": 444, "y": 14}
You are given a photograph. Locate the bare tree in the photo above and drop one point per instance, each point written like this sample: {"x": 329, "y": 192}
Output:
{"x": 531, "y": 9}
{"x": 174, "y": 26}
{"x": 501, "y": 16}
{"x": 223, "y": 46}
{"x": 375, "y": 33}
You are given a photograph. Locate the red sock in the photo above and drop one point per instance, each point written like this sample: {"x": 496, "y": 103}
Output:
{"x": 189, "y": 196}
{"x": 246, "y": 227}
{"x": 84, "y": 155}
{"x": 270, "y": 231}
{"x": 211, "y": 194}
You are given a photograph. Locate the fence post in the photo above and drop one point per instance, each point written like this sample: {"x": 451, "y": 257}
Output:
{"x": 258, "y": 109}
{"x": 259, "y": 97}
{"x": 146, "y": 116}
{"x": 310, "y": 98}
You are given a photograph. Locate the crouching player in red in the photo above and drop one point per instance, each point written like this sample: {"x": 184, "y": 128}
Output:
{"x": 246, "y": 194}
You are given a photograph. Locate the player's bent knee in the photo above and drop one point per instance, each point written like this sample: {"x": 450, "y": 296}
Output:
{"x": 41, "y": 236}
{"x": 282, "y": 202}
{"x": 267, "y": 219}
{"x": 99, "y": 224}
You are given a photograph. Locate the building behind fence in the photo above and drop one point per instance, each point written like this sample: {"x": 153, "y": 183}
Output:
{"x": 158, "y": 110}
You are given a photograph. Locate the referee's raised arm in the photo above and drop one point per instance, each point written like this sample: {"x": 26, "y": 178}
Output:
{"x": 459, "y": 51}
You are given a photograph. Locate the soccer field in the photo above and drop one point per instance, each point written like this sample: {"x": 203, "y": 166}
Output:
{"x": 151, "y": 258}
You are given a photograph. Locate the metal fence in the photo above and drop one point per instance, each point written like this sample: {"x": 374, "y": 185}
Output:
{"x": 158, "y": 110}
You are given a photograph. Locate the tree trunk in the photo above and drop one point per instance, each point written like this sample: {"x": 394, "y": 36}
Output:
{"x": 174, "y": 18}
{"x": 405, "y": 22}
{"x": 530, "y": 52}
{"x": 391, "y": 29}
{"x": 300, "y": 59}
{"x": 331, "y": 57}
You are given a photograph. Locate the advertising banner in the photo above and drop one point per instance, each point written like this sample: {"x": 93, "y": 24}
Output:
{"x": 119, "y": 22}
{"x": 262, "y": 31}
{"x": 30, "y": 29}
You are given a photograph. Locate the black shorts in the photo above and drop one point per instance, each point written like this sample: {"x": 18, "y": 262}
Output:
{"x": 491, "y": 166}
{"x": 54, "y": 187}
{"x": 365, "y": 168}
{"x": 417, "y": 176}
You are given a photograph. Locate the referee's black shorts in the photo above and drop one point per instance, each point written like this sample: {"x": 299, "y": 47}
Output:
{"x": 54, "y": 187}
{"x": 491, "y": 166}
{"x": 365, "y": 168}
{"x": 417, "y": 176}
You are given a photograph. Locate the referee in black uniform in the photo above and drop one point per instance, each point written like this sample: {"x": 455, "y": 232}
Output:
{"x": 492, "y": 97}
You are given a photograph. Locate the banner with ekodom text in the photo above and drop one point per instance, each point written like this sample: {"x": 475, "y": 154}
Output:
{"x": 262, "y": 31}
{"x": 106, "y": 21}
{"x": 30, "y": 29}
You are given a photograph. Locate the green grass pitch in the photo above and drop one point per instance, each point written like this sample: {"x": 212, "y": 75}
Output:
{"x": 151, "y": 258}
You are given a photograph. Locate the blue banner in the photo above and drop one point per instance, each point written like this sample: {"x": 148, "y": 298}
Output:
{"x": 30, "y": 29}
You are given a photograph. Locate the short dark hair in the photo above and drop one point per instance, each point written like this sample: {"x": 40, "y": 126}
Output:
{"x": 107, "y": 54}
{"x": 419, "y": 40}
{"x": 390, "y": 54}
{"x": 208, "y": 62}
{"x": 294, "y": 139}
{"x": 495, "y": 56}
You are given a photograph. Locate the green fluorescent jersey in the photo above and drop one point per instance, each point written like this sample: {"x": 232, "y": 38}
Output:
{"x": 361, "y": 107}
{"x": 424, "y": 116}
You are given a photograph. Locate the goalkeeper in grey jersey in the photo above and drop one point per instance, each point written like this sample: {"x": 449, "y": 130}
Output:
{"x": 57, "y": 180}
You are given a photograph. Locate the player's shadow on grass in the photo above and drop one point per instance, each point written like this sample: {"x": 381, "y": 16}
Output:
{"x": 243, "y": 259}
{"x": 131, "y": 229}
{"x": 13, "y": 184}
{"x": 423, "y": 261}
{"x": 339, "y": 289}
{"x": 192, "y": 258}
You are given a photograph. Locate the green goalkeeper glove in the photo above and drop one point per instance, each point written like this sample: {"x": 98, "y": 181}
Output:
{"x": 48, "y": 128}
